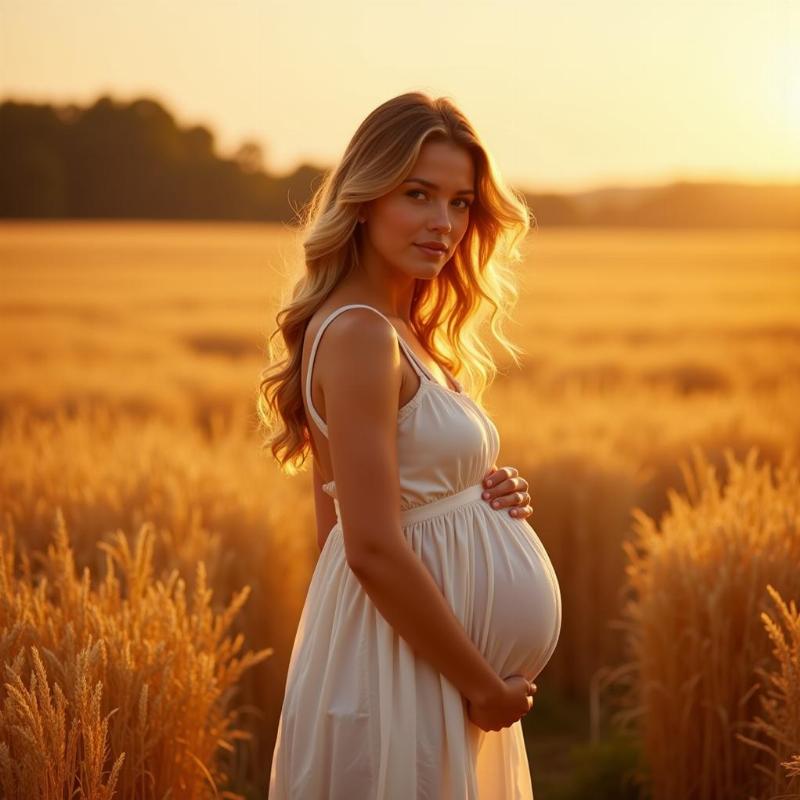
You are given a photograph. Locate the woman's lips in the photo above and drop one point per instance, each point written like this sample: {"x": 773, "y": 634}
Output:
{"x": 430, "y": 251}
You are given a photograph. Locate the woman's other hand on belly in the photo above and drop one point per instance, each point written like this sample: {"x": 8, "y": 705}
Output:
{"x": 504, "y": 707}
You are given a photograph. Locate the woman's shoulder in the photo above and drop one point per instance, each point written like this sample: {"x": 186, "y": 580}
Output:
{"x": 354, "y": 317}
{"x": 356, "y": 334}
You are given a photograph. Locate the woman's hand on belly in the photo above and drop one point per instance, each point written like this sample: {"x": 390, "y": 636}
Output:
{"x": 505, "y": 707}
{"x": 505, "y": 488}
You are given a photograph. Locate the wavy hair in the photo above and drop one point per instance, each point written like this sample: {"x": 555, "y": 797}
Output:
{"x": 448, "y": 313}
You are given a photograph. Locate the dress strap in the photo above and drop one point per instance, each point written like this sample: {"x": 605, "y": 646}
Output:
{"x": 425, "y": 373}
{"x": 410, "y": 354}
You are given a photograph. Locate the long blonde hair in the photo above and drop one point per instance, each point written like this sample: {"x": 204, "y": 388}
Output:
{"x": 446, "y": 313}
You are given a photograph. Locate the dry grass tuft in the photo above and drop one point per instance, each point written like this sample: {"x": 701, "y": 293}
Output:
{"x": 697, "y": 583}
{"x": 120, "y": 690}
{"x": 210, "y": 499}
{"x": 778, "y": 731}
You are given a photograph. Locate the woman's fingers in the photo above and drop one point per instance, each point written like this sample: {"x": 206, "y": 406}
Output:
{"x": 532, "y": 689}
{"x": 500, "y": 485}
{"x": 508, "y": 494}
{"x": 521, "y": 512}
{"x": 497, "y": 476}
{"x": 505, "y": 488}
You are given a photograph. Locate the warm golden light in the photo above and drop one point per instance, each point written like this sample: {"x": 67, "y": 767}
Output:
{"x": 568, "y": 96}
{"x": 787, "y": 78}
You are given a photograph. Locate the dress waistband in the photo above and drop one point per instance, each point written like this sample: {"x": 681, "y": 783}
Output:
{"x": 435, "y": 507}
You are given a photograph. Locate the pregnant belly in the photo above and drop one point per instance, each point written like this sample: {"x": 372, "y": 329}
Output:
{"x": 523, "y": 603}
{"x": 497, "y": 575}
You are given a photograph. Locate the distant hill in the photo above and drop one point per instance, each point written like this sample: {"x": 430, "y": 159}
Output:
{"x": 134, "y": 161}
{"x": 682, "y": 204}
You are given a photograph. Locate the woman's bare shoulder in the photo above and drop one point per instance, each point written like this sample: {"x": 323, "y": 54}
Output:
{"x": 355, "y": 334}
{"x": 360, "y": 337}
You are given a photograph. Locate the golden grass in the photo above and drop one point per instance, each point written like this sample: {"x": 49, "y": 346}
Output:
{"x": 778, "y": 730}
{"x": 697, "y": 584}
{"x": 205, "y": 498}
{"x": 131, "y": 353}
{"x": 132, "y": 673}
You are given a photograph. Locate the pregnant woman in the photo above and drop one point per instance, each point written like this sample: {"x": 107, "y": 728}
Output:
{"x": 429, "y": 612}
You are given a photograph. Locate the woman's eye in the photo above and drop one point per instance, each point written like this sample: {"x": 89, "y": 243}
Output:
{"x": 466, "y": 203}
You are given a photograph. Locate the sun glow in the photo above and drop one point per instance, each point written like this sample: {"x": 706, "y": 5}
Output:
{"x": 787, "y": 84}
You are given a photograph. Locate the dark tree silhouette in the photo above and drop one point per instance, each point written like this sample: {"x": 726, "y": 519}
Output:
{"x": 113, "y": 160}
{"x": 134, "y": 161}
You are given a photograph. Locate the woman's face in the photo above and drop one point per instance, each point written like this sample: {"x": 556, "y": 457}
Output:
{"x": 431, "y": 205}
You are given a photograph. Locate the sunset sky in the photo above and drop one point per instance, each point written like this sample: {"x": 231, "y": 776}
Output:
{"x": 569, "y": 95}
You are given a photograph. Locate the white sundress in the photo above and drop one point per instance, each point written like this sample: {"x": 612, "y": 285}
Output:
{"x": 363, "y": 717}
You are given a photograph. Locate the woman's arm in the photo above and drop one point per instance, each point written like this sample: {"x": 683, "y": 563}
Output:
{"x": 359, "y": 364}
{"x": 325, "y": 510}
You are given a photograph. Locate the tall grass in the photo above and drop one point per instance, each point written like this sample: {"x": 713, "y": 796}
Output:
{"x": 206, "y": 497}
{"x": 120, "y": 690}
{"x": 777, "y": 727}
{"x": 697, "y": 584}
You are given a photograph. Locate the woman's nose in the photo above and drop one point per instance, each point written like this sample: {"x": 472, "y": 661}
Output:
{"x": 441, "y": 220}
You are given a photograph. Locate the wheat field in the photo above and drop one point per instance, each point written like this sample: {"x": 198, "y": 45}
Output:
{"x": 717, "y": 714}
{"x": 130, "y": 356}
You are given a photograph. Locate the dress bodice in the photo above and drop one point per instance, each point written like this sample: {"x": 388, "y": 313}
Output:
{"x": 445, "y": 440}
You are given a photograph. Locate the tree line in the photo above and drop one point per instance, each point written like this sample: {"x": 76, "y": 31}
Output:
{"x": 134, "y": 160}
